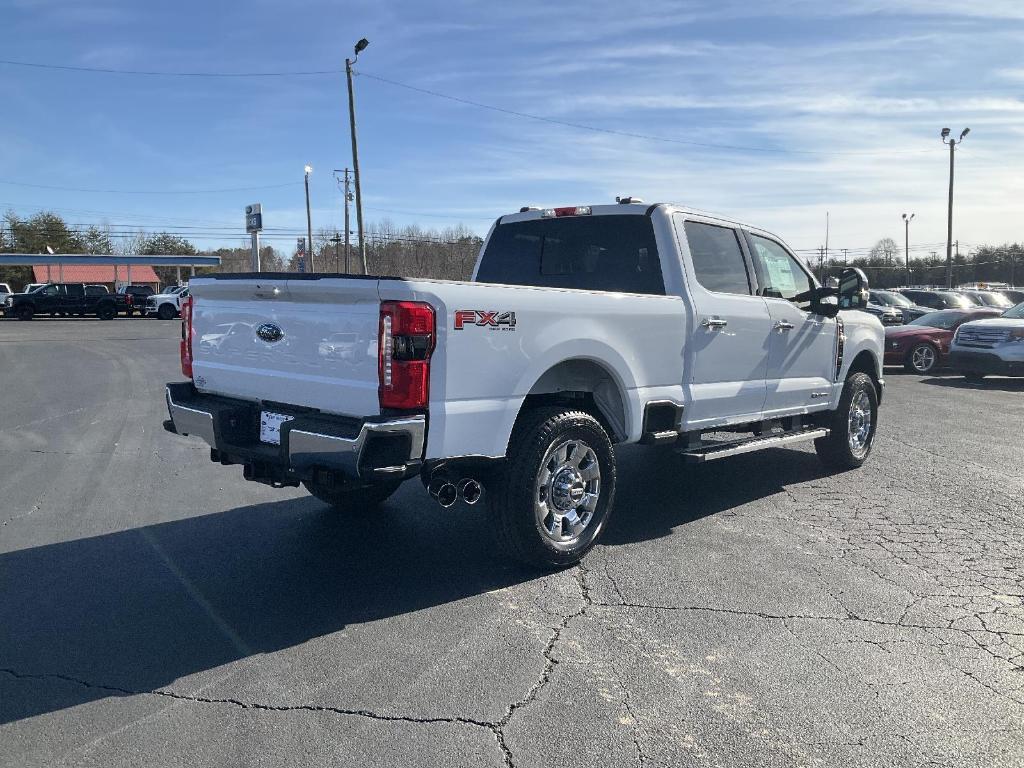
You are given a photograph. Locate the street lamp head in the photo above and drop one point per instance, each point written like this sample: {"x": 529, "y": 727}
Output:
{"x": 309, "y": 169}
{"x": 912, "y": 217}
{"x": 966, "y": 131}
{"x": 904, "y": 217}
{"x": 361, "y": 45}
{"x": 945, "y": 133}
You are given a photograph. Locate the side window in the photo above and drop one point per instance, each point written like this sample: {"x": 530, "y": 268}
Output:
{"x": 717, "y": 258}
{"x": 50, "y": 290}
{"x": 780, "y": 274}
{"x": 74, "y": 291}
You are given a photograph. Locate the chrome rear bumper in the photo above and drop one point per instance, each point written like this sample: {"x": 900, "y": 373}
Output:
{"x": 368, "y": 449}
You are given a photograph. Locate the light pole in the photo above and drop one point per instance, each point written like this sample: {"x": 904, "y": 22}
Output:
{"x": 949, "y": 228}
{"x": 906, "y": 241}
{"x": 309, "y": 221}
{"x": 359, "y": 47}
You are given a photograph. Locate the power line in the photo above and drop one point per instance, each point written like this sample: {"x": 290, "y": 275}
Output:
{"x": 159, "y": 73}
{"x": 431, "y": 215}
{"x": 147, "y": 191}
{"x": 628, "y": 134}
{"x": 459, "y": 100}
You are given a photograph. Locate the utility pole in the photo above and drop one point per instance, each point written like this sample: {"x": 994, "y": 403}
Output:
{"x": 826, "y": 235}
{"x": 336, "y": 240}
{"x": 359, "y": 47}
{"x": 846, "y": 260}
{"x": 906, "y": 241}
{"x": 347, "y": 195}
{"x": 309, "y": 220}
{"x": 949, "y": 227}
{"x": 821, "y": 263}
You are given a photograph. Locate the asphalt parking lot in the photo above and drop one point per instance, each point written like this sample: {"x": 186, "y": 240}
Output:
{"x": 157, "y": 610}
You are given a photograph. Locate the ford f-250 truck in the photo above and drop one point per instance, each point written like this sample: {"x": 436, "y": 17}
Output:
{"x": 583, "y": 328}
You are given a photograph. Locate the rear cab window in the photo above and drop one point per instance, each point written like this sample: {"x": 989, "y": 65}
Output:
{"x": 717, "y": 258}
{"x": 611, "y": 252}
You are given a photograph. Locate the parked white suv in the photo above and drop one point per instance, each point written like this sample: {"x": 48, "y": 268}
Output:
{"x": 583, "y": 328}
{"x": 994, "y": 346}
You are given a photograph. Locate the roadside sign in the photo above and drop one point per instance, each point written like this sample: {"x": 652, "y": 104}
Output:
{"x": 253, "y": 217}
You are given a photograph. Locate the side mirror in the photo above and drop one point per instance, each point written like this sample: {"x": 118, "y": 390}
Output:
{"x": 826, "y": 306}
{"x": 853, "y": 289}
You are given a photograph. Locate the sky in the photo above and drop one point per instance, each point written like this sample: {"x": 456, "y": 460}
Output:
{"x": 776, "y": 113}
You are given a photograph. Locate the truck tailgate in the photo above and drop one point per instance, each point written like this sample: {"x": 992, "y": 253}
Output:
{"x": 299, "y": 342}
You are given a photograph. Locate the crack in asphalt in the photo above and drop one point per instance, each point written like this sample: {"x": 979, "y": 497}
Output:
{"x": 785, "y": 618}
{"x": 496, "y": 728}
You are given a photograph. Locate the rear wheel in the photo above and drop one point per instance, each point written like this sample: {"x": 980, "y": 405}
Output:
{"x": 553, "y": 497}
{"x": 922, "y": 358}
{"x": 852, "y": 425}
{"x": 106, "y": 312}
{"x": 352, "y": 500}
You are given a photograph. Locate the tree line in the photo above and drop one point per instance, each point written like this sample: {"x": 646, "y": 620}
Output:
{"x": 448, "y": 253}
{"x": 409, "y": 251}
{"x": 885, "y": 265}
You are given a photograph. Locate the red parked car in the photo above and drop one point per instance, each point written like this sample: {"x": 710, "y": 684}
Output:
{"x": 922, "y": 345}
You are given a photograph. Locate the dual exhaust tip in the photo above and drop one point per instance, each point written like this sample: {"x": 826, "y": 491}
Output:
{"x": 447, "y": 493}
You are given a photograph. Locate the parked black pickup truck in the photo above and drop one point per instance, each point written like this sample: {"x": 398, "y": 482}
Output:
{"x": 66, "y": 299}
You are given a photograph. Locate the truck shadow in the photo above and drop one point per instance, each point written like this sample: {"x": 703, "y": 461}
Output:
{"x": 663, "y": 492}
{"x": 136, "y": 610}
{"x": 989, "y": 382}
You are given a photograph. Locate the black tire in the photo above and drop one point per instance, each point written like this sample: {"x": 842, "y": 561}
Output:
{"x": 922, "y": 358}
{"x": 106, "y": 312}
{"x": 24, "y": 313}
{"x": 837, "y": 451}
{"x": 517, "y": 500}
{"x": 974, "y": 378}
{"x": 166, "y": 312}
{"x": 352, "y": 500}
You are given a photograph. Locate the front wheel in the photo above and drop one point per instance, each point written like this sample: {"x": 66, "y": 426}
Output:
{"x": 922, "y": 358}
{"x": 553, "y": 497}
{"x": 25, "y": 313}
{"x": 352, "y": 500}
{"x": 166, "y": 312}
{"x": 852, "y": 425}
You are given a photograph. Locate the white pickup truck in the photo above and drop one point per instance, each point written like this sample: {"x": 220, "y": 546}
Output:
{"x": 166, "y": 306}
{"x": 583, "y": 328}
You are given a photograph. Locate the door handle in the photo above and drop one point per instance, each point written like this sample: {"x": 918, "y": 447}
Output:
{"x": 714, "y": 322}
{"x": 784, "y": 325}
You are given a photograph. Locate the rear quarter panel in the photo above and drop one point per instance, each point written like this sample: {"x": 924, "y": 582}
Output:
{"x": 481, "y": 374}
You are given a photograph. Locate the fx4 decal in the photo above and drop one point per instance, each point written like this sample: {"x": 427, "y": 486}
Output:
{"x": 497, "y": 320}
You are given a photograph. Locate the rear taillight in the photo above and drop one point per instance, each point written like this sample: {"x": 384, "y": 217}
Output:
{"x": 403, "y": 353}
{"x": 186, "y": 337}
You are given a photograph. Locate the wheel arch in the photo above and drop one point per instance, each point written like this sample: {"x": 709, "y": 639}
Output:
{"x": 866, "y": 362}
{"x": 585, "y": 384}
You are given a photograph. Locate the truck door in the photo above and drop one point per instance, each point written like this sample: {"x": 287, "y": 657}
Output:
{"x": 72, "y": 298}
{"x": 726, "y": 356}
{"x": 802, "y": 346}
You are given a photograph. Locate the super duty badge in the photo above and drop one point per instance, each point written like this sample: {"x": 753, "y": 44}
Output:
{"x": 497, "y": 320}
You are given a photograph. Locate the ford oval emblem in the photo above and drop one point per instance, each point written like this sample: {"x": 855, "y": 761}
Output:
{"x": 270, "y": 332}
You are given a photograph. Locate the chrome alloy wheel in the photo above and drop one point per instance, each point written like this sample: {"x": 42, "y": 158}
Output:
{"x": 860, "y": 423}
{"x": 923, "y": 358}
{"x": 567, "y": 490}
